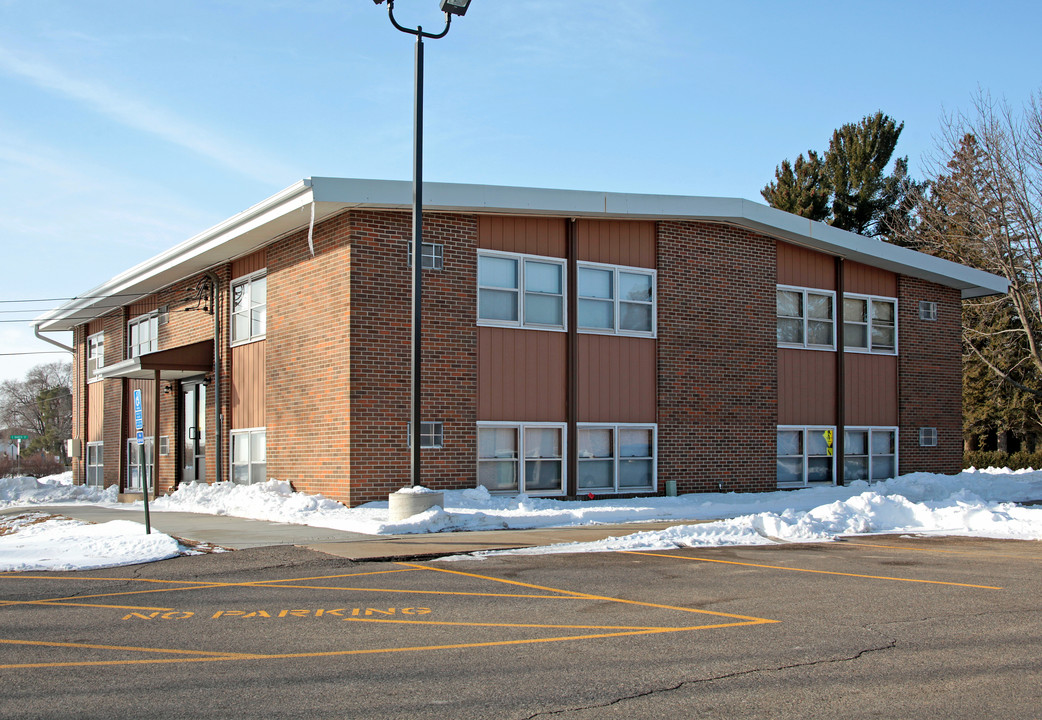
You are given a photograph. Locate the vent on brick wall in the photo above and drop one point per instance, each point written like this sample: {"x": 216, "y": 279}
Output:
{"x": 927, "y": 437}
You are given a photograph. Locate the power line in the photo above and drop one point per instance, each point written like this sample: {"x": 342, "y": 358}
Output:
{"x": 40, "y": 352}
{"x": 76, "y": 297}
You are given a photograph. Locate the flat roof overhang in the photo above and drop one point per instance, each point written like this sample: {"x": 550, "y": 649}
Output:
{"x": 292, "y": 210}
{"x": 174, "y": 364}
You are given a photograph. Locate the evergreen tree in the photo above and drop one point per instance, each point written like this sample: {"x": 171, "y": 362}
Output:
{"x": 849, "y": 187}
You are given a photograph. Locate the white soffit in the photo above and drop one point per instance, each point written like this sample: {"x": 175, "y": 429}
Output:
{"x": 290, "y": 210}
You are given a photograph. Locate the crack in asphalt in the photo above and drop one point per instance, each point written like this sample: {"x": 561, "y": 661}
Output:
{"x": 890, "y": 645}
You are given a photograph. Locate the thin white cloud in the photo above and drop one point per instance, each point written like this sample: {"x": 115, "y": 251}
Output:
{"x": 140, "y": 116}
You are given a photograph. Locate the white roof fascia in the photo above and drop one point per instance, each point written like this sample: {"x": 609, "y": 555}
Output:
{"x": 287, "y": 211}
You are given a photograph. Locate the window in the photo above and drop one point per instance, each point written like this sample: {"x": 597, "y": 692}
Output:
{"x": 143, "y": 335}
{"x": 96, "y": 464}
{"x": 616, "y": 458}
{"x": 249, "y": 308}
{"x": 134, "y": 465}
{"x": 927, "y": 437}
{"x": 521, "y": 291}
{"x": 805, "y": 456}
{"x": 870, "y": 323}
{"x": 432, "y": 435}
{"x": 433, "y": 256}
{"x": 805, "y": 318}
{"x": 249, "y": 456}
{"x": 95, "y": 355}
{"x": 869, "y": 453}
{"x": 616, "y": 300}
{"x": 927, "y": 310}
{"x": 521, "y": 458}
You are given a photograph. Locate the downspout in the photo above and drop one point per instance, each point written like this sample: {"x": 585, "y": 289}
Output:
{"x": 841, "y": 376}
{"x": 36, "y": 332}
{"x": 218, "y": 408}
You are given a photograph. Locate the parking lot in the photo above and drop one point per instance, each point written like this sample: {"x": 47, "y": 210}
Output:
{"x": 867, "y": 627}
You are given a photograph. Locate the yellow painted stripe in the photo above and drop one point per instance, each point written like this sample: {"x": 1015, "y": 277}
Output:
{"x": 973, "y": 553}
{"x": 128, "y": 648}
{"x": 507, "y": 625}
{"x": 585, "y": 596}
{"x": 817, "y": 572}
{"x": 56, "y": 603}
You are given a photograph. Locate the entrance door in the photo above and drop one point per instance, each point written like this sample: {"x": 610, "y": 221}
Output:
{"x": 193, "y": 432}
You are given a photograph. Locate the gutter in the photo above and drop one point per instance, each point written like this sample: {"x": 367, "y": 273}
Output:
{"x": 36, "y": 332}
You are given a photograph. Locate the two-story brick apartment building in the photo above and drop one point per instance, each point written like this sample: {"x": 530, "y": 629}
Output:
{"x": 574, "y": 343}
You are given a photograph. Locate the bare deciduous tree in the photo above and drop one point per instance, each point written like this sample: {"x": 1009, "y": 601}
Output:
{"x": 42, "y": 405}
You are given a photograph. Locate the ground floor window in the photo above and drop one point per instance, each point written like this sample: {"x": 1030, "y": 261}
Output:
{"x": 96, "y": 464}
{"x": 134, "y": 459}
{"x": 616, "y": 458}
{"x": 805, "y": 456}
{"x": 249, "y": 456}
{"x": 516, "y": 458}
{"x": 869, "y": 453}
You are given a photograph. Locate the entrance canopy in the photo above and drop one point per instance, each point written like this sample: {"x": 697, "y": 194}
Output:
{"x": 173, "y": 364}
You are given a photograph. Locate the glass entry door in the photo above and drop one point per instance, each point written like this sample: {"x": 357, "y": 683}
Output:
{"x": 193, "y": 431}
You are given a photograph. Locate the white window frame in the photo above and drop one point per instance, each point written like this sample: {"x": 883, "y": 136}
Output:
{"x": 805, "y": 456}
{"x": 805, "y": 291}
{"x": 432, "y": 435}
{"x": 433, "y": 255}
{"x": 618, "y": 301}
{"x": 617, "y": 458}
{"x": 521, "y": 460}
{"x": 251, "y": 463}
{"x": 871, "y": 430}
{"x": 521, "y": 321}
{"x": 133, "y": 479}
{"x": 927, "y": 310}
{"x": 247, "y": 281}
{"x": 139, "y": 348}
{"x": 94, "y": 464}
{"x": 868, "y": 325}
{"x": 95, "y": 355}
{"x": 928, "y": 437}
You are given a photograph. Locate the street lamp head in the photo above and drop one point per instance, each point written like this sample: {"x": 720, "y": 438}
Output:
{"x": 456, "y": 7}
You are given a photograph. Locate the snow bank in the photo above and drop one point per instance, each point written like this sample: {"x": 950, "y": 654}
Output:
{"x": 36, "y": 542}
{"x": 51, "y": 490}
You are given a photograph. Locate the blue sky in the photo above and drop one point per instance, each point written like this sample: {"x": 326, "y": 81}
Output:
{"x": 127, "y": 127}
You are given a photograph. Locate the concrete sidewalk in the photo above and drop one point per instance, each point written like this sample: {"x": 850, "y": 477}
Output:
{"x": 237, "y": 533}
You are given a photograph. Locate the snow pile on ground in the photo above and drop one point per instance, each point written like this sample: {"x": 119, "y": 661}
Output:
{"x": 52, "y": 490}
{"x": 36, "y": 541}
{"x": 972, "y": 502}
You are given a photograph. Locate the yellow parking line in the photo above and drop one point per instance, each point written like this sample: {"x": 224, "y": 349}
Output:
{"x": 508, "y": 625}
{"x": 587, "y": 596}
{"x": 818, "y": 572}
{"x": 129, "y": 648}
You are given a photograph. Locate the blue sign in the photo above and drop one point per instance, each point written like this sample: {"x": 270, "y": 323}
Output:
{"x": 139, "y": 419}
{"x": 140, "y": 437}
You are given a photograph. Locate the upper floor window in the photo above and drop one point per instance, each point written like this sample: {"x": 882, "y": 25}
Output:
{"x": 249, "y": 308}
{"x": 95, "y": 355}
{"x": 521, "y": 291}
{"x": 806, "y": 318}
{"x": 143, "y": 335}
{"x": 870, "y": 323}
{"x": 616, "y": 300}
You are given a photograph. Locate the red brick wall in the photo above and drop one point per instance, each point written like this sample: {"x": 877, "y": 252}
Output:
{"x": 380, "y": 352}
{"x": 929, "y": 377}
{"x": 717, "y": 363}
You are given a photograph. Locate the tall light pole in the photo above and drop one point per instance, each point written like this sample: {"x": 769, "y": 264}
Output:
{"x": 450, "y": 8}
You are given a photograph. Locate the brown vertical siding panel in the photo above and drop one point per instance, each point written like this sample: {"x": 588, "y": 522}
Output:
{"x": 806, "y": 387}
{"x": 530, "y": 235}
{"x": 250, "y": 264}
{"x": 871, "y": 389}
{"x": 805, "y": 268}
{"x": 148, "y": 405}
{"x": 248, "y": 386}
{"x": 868, "y": 280}
{"x": 96, "y": 412}
{"x": 616, "y": 379}
{"x": 617, "y": 242}
{"x": 521, "y": 375}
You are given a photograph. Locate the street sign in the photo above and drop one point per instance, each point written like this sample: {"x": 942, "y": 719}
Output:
{"x": 139, "y": 416}
{"x": 19, "y": 437}
{"x": 140, "y": 437}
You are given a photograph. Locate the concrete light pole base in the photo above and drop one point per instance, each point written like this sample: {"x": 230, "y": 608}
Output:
{"x": 402, "y": 505}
